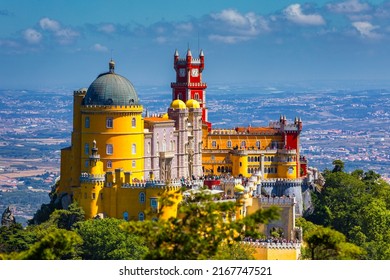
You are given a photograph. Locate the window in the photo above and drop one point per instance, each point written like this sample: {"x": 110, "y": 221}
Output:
{"x": 157, "y": 146}
{"x": 148, "y": 147}
{"x": 93, "y": 195}
{"x": 196, "y": 96}
{"x": 101, "y": 195}
{"x": 133, "y": 122}
{"x": 141, "y": 197}
{"x": 258, "y": 144}
{"x": 229, "y": 144}
{"x": 153, "y": 203}
{"x": 86, "y": 148}
{"x": 109, "y": 149}
{"x": 141, "y": 216}
{"x": 109, "y": 122}
{"x": 86, "y": 122}
{"x": 133, "y": 149}
{"x": 243, "y": 144}
{"x": 214, "y": 144}
{"x": 290, "y": 170}
{"x": 164, "y": 146}
{"x": 86, "y": 163}
{"x": 133, "y": 164}
{"x": 109, "y": 164}
{"x": 125, "y": 216}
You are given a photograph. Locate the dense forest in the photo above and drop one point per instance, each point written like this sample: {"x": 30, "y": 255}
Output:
{"x": 350, "y": 219}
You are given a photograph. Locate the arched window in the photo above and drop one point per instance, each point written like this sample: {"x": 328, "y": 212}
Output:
{"x": 141, "y": 216}
{"x": 125, "y": 216}
{"x": 109, "y": 149}
{"x": 141, "y": 197}
{"x": 133, "y": 122}
{"x": 214, "y": 144}
{"x": 133, "y": 164}
{"x": 229, "y": 144}
{"x": 164, "y": 146}
{"x": 258, "y": 144}
{"x": 133, "y": 149}
{"x": 87, "y": 122}
{"x": 109, "y": 164}
{"x": 86, "y": 148}
{"x": 109, "y": 123}
{"x": 243, "y": 144}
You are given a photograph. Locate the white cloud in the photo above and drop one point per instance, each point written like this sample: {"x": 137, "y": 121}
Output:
{"x": 351, "y": 6}
{"x": 107, "y": 28}
{"x": 231, "y": 17}
{"x": 161, "y": 40}
{"x": 294, "y": 13}
{"x": 99, "y": 48}
{"x": 235, "y": 27}
{"x": 186, "y": 27}
{"x": 228, "y": 39}
{"x": 66, "y": 35}
{"x": 63, "y": 35}
{"x": 32, "y": 36}
{"x": 49, "y": 24}
{"x": 366, "y": 29}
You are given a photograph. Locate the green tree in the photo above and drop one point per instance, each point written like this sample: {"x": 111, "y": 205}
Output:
{"x": 16, "y": 239}
{"x": 338, "y": 165}
{"x": 235, "y": 251}
{"x": 58, "y": 244}
{"x": 65, "y": 219}
{"x": 321, "y": 243}
{"x": 103, "y": 239}
{"x": 357, "y": 205}
{"x": 202, "y": 226}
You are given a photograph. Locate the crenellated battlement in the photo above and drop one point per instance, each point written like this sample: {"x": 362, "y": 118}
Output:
{"x": 91, "y": 178}
{"x": 281, "y": 201}
{"x": 274, "y": 245}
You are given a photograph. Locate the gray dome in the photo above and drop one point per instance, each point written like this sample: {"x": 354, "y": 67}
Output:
{"x": 111, "y": 89}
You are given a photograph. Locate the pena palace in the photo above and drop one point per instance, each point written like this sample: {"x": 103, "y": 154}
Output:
{"x": 121, "y": 160}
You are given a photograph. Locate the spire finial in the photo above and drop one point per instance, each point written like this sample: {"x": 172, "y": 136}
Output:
{"x": 111, "y": 66}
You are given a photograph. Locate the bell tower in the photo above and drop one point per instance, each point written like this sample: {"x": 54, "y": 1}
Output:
{"x": 189, "y": 84}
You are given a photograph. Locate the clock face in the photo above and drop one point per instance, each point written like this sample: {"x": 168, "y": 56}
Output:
{"x": 195, "y": 72}
{"x": 182, "y": 72}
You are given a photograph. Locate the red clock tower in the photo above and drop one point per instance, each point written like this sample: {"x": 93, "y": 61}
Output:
{"x": 189, "y": 83}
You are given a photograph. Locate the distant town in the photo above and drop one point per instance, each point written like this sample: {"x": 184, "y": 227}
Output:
{"x": 351, "y": 125}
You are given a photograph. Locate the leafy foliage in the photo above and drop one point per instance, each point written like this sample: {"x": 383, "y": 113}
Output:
{"x": 323, "y": 243}
{"x": 103, "y": 239}
{"x": 357, "y": 205}
{"x": 202, "y": 228}
{"x": 56, "y": 245}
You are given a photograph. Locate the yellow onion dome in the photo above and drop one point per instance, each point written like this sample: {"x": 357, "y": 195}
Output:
{"x": 192, "y": 103}
{"x": 178, "y": 104}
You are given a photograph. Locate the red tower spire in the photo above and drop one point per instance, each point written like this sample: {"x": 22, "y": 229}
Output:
{"x": 189, "y": 84}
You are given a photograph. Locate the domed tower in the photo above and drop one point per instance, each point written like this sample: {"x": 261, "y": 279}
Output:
{"x": 111, "y": 114}
{"x": 108, "y": 112}
{"x": 179, "y": 113}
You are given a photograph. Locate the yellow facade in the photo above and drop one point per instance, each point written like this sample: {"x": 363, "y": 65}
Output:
{"x": 235, "y": 152}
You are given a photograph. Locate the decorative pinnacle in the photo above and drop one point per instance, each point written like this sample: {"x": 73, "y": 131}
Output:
{"x": 111, "y": 66}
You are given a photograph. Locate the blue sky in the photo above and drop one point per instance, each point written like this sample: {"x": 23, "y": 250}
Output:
{"x": 67, "y": 43}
